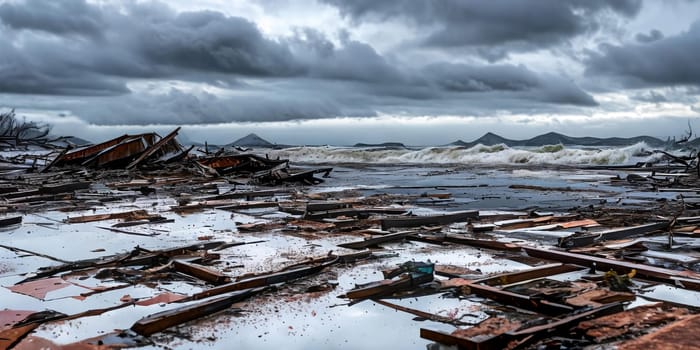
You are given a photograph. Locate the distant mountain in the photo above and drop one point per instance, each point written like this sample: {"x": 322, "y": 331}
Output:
{"x": 251, "y": 140}
{"x": 383, "y": 145}
{"x": 553, "y": 138}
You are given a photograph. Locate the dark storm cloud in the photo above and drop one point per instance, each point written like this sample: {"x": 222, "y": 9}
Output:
{"x": 521, "y": 25}
{"x": 59, "y": 17}
{"x": 210, "y": 41}
{"x": 40, "y": 73}
{"x": 664, "y": 62}
{"x": 651, "y": 96}
{"x": 302, "y": 76}
{"x": 507, "y": 78}
{"x": 653, "y": 35}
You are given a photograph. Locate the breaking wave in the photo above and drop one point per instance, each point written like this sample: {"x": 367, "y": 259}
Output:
{"x": 479, "y": 154}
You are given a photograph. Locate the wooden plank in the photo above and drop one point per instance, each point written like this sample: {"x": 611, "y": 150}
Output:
{"x": 501, "y": 341}
{"x": 163, "y": 320}
{"x": 388, "y": 286}
{"x": 202, "y": 272}
{"x": 689, "y": 280}
{"x": 376, "y": 240}
{"x": 620, "y": 233}
{"x": 416, "y": 221}
{"x": 85, "y": 152}
{"x": 248, "y": 195}
{"x": 249, "y": 205}
{"x": 63, "y": 187}
{"x": 352, "y": 212}
{"x": 153, "y": 149}
{"x": 262, "y": 281}
{"x": 55, "y": 160}
{"x": 134, "y": 215}
{"x": 12, "y": 336}
{"x": 528, "y": 274}
{"x": 481, "y": 243}
{"x": 9, "y": 221}
{"x": 517, "y": 300}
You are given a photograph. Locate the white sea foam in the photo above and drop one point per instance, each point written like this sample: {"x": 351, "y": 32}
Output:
{"x": 479, "y": 154}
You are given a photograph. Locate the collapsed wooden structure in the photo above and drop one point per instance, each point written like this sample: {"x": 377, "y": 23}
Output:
{"x": 587, "y": 263}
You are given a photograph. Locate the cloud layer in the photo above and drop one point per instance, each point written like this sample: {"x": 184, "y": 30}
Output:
{"x": 148, "y": 62}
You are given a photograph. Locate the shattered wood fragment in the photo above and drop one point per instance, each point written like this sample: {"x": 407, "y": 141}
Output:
{"x": 12, "y": 336}
{"x": 8, "y": 318}
{"x": 555, "y": 189}
{"x": 63, "y": 187}
{"x": 165, "y": 297}
{"x": 308, "y": 225}
{"x": 680, "y": 335}
{"x": 248, "y": 195}
{"x": 163, "y": 320}
{"x": 392, "y": 237}
{"x": 631, "y": 322}
{"x": 598, "y": 297}
{"x": 249, "y": 205}
{"x": 138, "y": 256}
{"x": 528, "y": 274}
{"x": 352, "y": 212}
{"x": 39, "y": 288}
{"x": 79, "y": 154}
{"x": 129, "y": 215}
{"x": 688, "y": 280}
{"x": 128, "y": 232}
{"x": 154, "y": 148}
{"x": 312, "y": 206}
{"x": 9, "y": 221}
{"x": 481, "y": 243}
{"x": 417, "y": 221}
{"x": 386, "y": 287}
{"x": 491, "y": 327}
{"x": 54, "y": 161}
{"x": 454, "y": 271}
{"x": 121, "y": 153}
{"x": 202, "y": 272}
{"x": 354, "y": 256}
{"x": 500, "y": 341}
{"x": 21, "y": 194}
{"x": 431, "y": 239}
{"x": 263, "y": 281}
{"x": 517, "y": 300}
{"x": 578, "y": 223}
{"x": 625, "y": 232}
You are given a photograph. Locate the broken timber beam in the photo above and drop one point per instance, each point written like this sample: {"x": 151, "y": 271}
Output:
{"x": 202, "y": 272}
{"x": 528, "y": 274}
{"x": 502, "y": 340}
{"x": 262, "y": 281}
{"x": 153, "y": 149}
{"x": 518, "y": 300}
{"x": 376, "y": 240}
{"x": 620, "y": 233}
{"x": 416, "y": 221}
{"x": 359, "y": 212}
{"x": 481, "y": 243}
{"x": 672, "y": 277}
{"x": 163, "y": 320}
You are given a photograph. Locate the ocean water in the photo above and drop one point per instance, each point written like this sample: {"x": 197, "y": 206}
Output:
{"x": 499, "y": 154}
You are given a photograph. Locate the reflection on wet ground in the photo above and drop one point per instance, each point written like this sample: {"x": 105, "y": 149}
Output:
{"x": 308, "y": 312}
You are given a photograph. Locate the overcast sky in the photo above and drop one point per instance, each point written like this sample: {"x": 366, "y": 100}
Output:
{"x": 343, "y": 71}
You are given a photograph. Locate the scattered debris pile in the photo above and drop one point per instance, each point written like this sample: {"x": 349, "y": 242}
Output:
{"x": 163, "y": 249}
